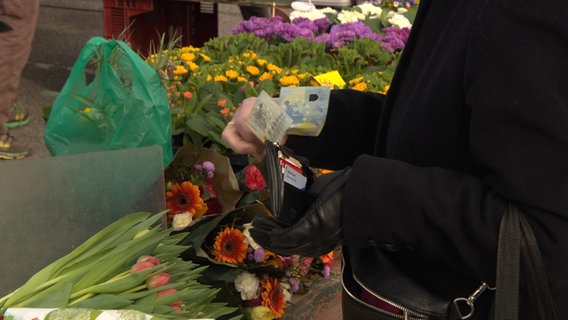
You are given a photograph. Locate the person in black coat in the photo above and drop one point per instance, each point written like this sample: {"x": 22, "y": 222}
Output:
{"x": 476, "y": 117}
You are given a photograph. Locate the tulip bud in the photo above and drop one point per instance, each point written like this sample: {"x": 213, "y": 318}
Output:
{"x": 139, "y": 266}
{"x": 141, "y": 233}
{"x": 155, "y": 261}
{"x": 158, "y": 280}
{"x": 166, "y": 292}
{"x": 176, "y": 305}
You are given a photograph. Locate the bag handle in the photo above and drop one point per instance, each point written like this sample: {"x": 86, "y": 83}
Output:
{"x": 517, "y": 241}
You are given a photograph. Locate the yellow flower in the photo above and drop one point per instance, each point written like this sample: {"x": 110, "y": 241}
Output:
{"x": 265, "y": 76}
{"x": 221, "y": 78}
{"x": 188, "y": 56}
{"x": 87, "y": 110}
{"x": 261, "y": 313}
{"x": 250, "y": 55}
{"x": 253, "y": 70}
{"x": 185, "y": 49}
{"x": 209, "y": 77}
{"x": 289, "y": 81}
{"x": 355, "y": 81}
{"x": 180, "y": 70}
{"x": 205, "y": 57}
{"x": 231, "y": 74}
{"x": 361, "y": 86}
{"x": 385, "y": 90}
{"x": 192, "y": 66}
{"x": 261, "y": 62}
{"x": 273, "y": 68}
{"x": 241, "y": 78}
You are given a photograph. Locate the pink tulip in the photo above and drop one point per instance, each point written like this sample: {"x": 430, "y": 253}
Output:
{"x": 155, "y": 261}
{"x": 139, "y": 266}
{"x": 176, "y": 305}
{"x": 161, "y": 279}
{"x": 166, "y": 292}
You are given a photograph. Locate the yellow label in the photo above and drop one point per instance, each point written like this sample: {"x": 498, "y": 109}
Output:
{"x": 331, "y": 79}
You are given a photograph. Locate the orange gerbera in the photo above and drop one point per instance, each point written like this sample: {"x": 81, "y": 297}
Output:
{"x": 185, "y": 197}
{"x": 273, "y": 296}
{"x": 230, "y": 246}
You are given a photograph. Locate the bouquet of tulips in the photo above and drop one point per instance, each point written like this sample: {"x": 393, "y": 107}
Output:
{"x": 132, "y": 264}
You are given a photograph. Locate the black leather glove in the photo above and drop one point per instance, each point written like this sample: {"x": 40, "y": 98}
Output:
{"x": 317, "y": 232}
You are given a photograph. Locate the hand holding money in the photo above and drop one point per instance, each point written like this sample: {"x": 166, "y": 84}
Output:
{"x": 298, "y": 111}
{"x": 238, "y": 136}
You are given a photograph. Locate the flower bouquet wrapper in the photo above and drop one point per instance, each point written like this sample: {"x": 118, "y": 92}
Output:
{"x": 203, "y": 234}
{"x": 224, "y": 181}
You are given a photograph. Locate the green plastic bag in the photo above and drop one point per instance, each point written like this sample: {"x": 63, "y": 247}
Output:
{"x": 111, "y": 100}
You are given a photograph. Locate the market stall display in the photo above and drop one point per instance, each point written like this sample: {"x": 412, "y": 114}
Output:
{"x": 211, "y": 194}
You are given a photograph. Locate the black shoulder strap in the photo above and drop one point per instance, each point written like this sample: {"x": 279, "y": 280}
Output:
{"x": 516, "y": 241}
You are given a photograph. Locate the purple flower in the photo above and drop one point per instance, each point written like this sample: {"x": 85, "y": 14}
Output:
{"x": 209, "y": 166}
{"x": 394, "y": 38}
{"x": 305, "y": 23}
{"x": 295, "y": 285}
{"x": 326, "y": 271}
{"x": 286, "y": 261}
{"x": 261, "y": 27}
{"x": 259, "y": 255}
{"x": 346, "y": 32}
{"x": 322, "y": 24}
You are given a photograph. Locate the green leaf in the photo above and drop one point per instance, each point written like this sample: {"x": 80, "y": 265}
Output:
{"x": 123, "y": 283}
{"x": 56, "y": 296}
{"x": 116, "y": 260}
{"x": 104, "y": 301}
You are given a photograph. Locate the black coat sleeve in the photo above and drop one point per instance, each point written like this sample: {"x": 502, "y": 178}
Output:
{"x": 349, "y": 130}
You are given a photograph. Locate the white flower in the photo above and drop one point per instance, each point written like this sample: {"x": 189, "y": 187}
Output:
{"x": 287, "y": 295}
{"x": 248, "y": 237}
{"x": 370, "y": 9}
{"x": 311, "y": 15}
{"x": 398, "y": 20}
{"x": 286, "y": 290}
{"x": 350, "y": 16}
{"x": 181, "y": 221}
{"x": 247, "y": 284}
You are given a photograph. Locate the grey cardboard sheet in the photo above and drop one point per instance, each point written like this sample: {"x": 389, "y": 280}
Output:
{"x": 51, "y": 205}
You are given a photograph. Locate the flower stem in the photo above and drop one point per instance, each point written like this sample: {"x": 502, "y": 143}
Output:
{"x": 87, "y": 290}
{"x": 131, "y": 290}
{"x": 84, "y": 297}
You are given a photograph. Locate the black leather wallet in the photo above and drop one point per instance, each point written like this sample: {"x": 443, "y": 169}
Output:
{"x": 288, "y": 176}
